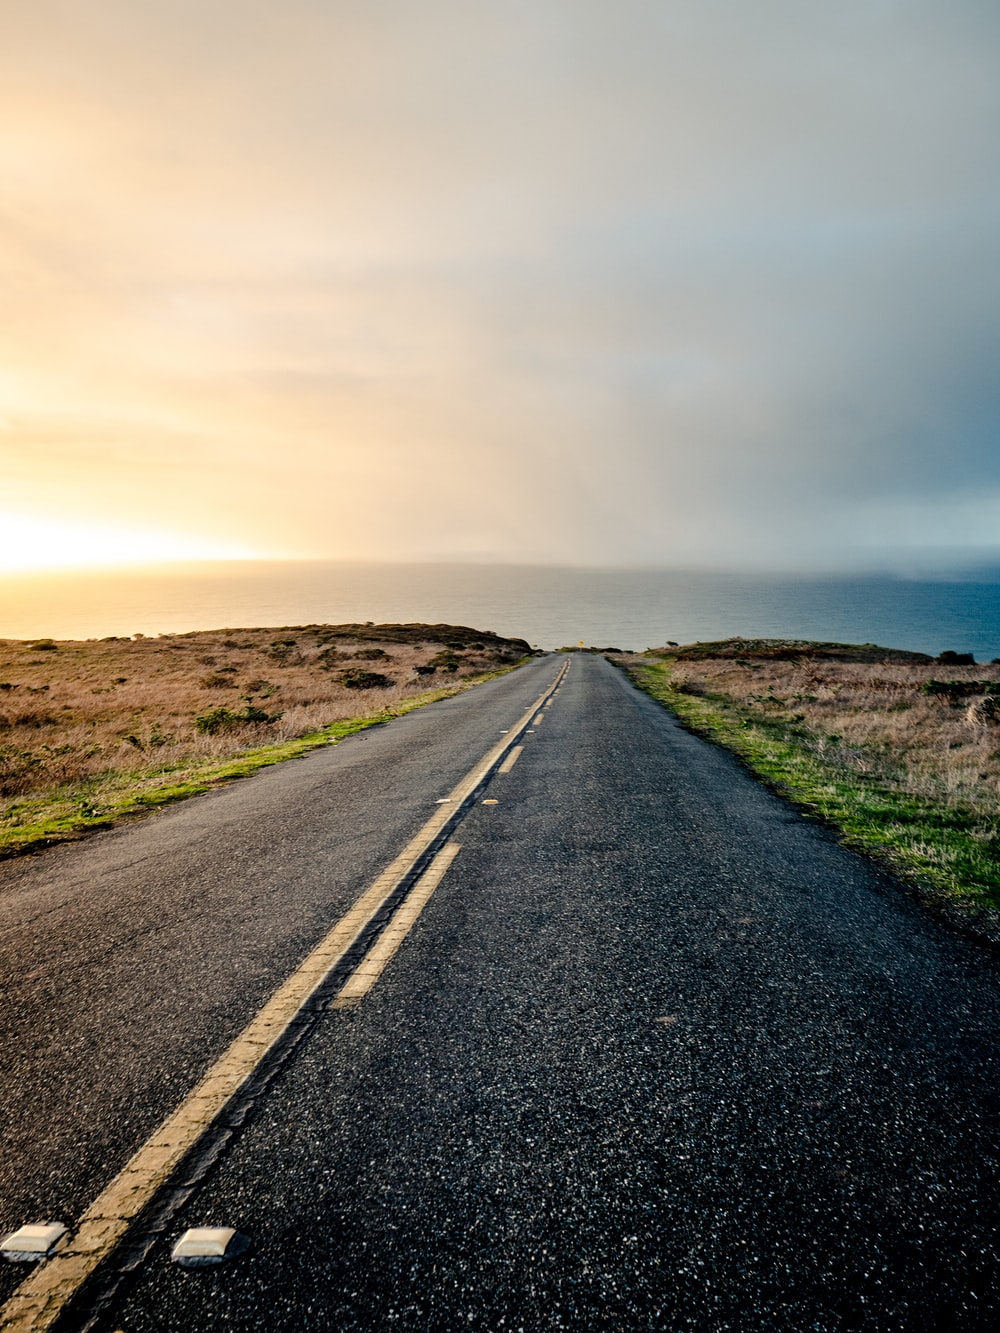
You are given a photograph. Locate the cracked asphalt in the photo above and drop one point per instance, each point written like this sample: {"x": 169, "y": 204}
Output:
{"x": 659, "y": 1053}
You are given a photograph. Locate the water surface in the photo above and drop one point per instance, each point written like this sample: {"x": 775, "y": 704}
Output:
{"x": 548, "y": 606}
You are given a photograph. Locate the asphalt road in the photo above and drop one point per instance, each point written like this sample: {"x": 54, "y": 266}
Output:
{"x": 658, "y": 1054}
{"x": 130, "y": 961}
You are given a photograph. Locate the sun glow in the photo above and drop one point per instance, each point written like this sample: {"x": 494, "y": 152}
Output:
{"x": 28, "y": 543}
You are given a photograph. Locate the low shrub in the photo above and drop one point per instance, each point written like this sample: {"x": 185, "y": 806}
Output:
{"x": 959, "y": 689}
{"x": 224, "y": 719}
{"x": 34, "y": 720}
{"x": 365, "y": 680}
{"x": 262, "y": 687}
{"x": 218, "y": 680}
{"x": 948, "y": 658}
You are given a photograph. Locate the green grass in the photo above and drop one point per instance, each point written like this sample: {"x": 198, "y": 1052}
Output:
{"x": 71, "y": 812}
{"x": 950, "y": 852}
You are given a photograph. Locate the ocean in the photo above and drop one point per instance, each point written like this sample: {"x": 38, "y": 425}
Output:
{"x": 550, "y": 607}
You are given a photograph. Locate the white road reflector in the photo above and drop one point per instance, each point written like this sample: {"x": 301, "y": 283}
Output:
{"x": 202, "y": 1246}
{"x": 32, "y": 1242}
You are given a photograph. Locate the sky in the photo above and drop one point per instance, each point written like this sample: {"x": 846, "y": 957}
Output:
{"x": 638, "y": 282}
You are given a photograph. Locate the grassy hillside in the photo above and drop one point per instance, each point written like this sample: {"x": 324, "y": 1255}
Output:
{"x": 897, "y": 750}
{"x": 91, "y": 731}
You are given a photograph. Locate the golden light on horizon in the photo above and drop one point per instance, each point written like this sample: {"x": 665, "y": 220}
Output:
{"x": 582, "y": 284}
{"x": 29, "y": 544}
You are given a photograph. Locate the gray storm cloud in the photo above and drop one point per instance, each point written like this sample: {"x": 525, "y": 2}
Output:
{"x": 632, "y": 283}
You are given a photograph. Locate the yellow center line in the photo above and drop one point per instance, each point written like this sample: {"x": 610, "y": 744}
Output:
{"x": 511, "y": 759}
{"x": 374, "y": 963}
{"x": 40, "y": 1299}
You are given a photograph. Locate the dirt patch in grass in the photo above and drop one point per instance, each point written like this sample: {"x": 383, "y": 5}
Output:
{"x": 867, "y": 739}
{"x": 94, "y": 730}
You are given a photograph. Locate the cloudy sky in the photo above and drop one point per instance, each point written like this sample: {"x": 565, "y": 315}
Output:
{"x": 634, "y": 282}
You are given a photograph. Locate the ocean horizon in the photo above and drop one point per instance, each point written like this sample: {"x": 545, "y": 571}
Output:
{"x": 550, "y": 606}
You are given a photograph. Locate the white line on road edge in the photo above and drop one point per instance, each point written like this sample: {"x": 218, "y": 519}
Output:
{"x": 41, "y": 1298}
{"x": 375, "y": 961}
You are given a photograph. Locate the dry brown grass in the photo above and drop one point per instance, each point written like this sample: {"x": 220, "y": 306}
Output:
{"x": 868, "y": 740}
{"x": 82, "y": 717}
{"x": 870, "y": 718}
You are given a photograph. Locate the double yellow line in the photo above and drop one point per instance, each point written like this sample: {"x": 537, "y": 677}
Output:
{"x": 41, "y": 1299}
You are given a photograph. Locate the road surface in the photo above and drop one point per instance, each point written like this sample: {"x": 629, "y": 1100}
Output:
{"x": 657, "y": 1053}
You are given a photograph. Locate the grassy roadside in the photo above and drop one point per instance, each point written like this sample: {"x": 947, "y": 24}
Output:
{"x": 67, "y": 813}
{"x": 944, "y": 840}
